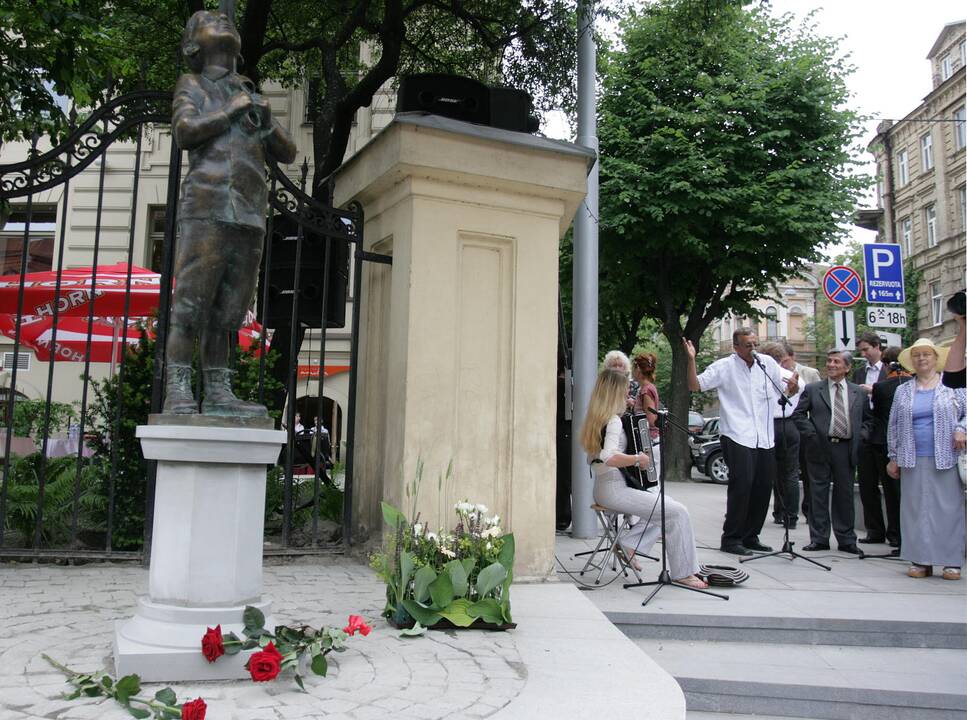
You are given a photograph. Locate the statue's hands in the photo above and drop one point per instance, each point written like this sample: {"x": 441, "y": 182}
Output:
{"x": 238, "y": 105}
{"x": 261, "y": 106}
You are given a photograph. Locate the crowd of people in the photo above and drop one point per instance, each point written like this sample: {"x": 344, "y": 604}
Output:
{"x": 897, "y": 422}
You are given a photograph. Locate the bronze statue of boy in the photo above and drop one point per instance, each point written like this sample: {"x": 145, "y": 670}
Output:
{"x": 228, "y": 130}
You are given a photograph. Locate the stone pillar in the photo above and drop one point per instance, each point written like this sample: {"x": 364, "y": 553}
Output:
{"x": 206, "y": 551}
{"x": 458, "y": 340}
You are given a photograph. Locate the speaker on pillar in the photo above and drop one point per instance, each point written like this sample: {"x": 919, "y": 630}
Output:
{"x": 312, "y": 272}
{"x": 463, "y": 98}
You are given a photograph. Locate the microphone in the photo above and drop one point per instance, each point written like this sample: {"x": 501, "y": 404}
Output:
{"x": 755, "y": 356}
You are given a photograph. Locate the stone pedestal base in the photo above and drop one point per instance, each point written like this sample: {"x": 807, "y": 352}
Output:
{"x": 206, "y": 551}
{"x": 162, "y": 643}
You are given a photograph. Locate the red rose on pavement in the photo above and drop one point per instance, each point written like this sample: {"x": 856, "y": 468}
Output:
{"x": 194, "y": 710}
{"x": 265, "y": 665}
{"x": 212, "y": 646}
{"x": 356, "y": 623}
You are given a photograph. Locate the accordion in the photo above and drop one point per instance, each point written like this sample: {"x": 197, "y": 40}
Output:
{"x": 635, "y": 427}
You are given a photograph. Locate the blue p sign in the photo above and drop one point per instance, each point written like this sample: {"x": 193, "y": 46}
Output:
{"x": 883, "y": 267}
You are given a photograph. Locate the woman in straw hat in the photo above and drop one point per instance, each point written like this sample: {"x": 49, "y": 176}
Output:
{"x": 604, "y": 441}
{"x": 926, "y": 431}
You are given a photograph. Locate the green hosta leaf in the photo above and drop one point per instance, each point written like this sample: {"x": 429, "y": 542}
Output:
{"x": 140, "y": 713}
{"x": 126, "y": 687}
{"x": 406, "y": 570}
{"x": 414, "y": 631}
{"x": 487, "y": 609}
{"x": 392, "y": 516}
{"x": 441, "y": 590}
{"x": 166, "y": 696}
{"x": 505, "y": 597}
{"x": 458, "y": 613}
{"x": 320, "y": 666}
{"x": 458, "y": 577}
{"x": 489, "y": 578}
{"x": 506, "y": 556}
{"x": 253, "y": 619}
{"x": 423, "y": 615}
{"x": 421, "y": 583}
{"x": 469, "y": 564}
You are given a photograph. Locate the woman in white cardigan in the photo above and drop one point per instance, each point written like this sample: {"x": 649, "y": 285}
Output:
{"x": 925, "y": 432}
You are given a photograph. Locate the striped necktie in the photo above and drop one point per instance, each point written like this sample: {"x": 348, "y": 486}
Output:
{"x": 839, "y": 412}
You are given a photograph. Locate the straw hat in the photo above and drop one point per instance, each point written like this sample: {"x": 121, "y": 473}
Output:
{"x": 941, "y": 352}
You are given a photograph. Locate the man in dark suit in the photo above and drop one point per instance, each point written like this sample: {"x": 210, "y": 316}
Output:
{"x": 882, "y": 398}
{"x": 830, "y": 417}
{"x": 873, "y": 371}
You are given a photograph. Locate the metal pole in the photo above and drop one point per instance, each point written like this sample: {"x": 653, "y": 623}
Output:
{"x": 585, "y": 296}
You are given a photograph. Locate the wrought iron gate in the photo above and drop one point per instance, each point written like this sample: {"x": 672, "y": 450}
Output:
{"x": 81, "y": 505}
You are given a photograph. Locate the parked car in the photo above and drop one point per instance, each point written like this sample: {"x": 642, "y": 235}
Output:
{"x": 695, "y": 421}
{"x": 706, "y": 450}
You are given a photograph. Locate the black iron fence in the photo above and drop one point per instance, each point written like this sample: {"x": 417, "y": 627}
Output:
{"x": 74, "y": 483}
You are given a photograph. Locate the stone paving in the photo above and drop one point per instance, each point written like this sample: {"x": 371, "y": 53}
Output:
{"x": 68, "y": 612}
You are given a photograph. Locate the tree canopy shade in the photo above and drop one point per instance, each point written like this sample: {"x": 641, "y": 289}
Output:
{"x": 725, "y": 144}
{"x": 315, "y": 44}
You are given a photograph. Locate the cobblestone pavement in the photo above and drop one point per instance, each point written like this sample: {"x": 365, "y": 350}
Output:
{"x": 69, "y": 613}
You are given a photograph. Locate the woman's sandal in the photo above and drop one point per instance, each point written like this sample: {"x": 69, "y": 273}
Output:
{"x": 951, "y": 573}
{"x": 631, "y": 559}
{"x": 692, "y": 582}
{"x": 921, "y": 571}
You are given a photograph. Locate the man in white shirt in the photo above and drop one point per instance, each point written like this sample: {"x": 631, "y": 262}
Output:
{"x": 746, "y": 384}
{"x": 867, "y": 475}
{"x": 807, "y": 375}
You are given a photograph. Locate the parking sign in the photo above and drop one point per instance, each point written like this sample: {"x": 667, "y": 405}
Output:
{"x": 883, "y": 270}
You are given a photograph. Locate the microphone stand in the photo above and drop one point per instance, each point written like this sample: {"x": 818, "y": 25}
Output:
{"x": 786, "y": 542}
{"x": 664, "y": 578}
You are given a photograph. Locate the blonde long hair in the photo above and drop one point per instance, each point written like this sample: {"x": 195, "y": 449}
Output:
{"x": 607, "y": 399}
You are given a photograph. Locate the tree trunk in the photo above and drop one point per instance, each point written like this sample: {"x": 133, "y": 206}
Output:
{"x": 675, "y": 453}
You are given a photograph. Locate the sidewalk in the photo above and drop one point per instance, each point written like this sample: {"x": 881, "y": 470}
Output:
{"x": 860, "y": 641}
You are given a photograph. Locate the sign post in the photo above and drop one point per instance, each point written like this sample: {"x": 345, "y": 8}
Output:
{"x": 844, "y": 329}
{"x": 883, "y": 267}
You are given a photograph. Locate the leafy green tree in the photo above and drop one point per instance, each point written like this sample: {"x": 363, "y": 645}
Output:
{"x": 528, "y": 44}
{"x": 725, "y": 141}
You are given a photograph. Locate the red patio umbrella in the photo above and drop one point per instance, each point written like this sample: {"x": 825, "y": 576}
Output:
{"x": 76, "y": 288}
{"x": 107, "y": 338}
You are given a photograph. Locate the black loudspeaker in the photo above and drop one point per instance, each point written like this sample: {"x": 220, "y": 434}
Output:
{"x": 451, "y": 96}
{"x": 312, "y": 273}
{"x": 465, "y": 99}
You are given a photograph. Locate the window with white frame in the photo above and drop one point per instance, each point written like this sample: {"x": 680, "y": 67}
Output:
{"x": 906, "y": 236}
{"x": 930, "y": 221}
{"x": 936, "y": 303}
{"x": 963, "y": 207}
{"x": 772, "y": 323}
{"x": 903, "y": 168}
{"x": 946, "y": 67}
{"x": 963, "y": 53}
{"x": 22, "y": 361}
{"x": 960, "y": 128}
{"x": 926, "y": 152}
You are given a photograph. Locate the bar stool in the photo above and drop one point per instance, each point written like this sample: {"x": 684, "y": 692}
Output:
{"x": 608, "y": 546}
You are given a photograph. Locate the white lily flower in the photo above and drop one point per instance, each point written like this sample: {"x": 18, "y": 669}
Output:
{"x": 448, "y": 552}
{"x": 481, "y": 509}
{"x": 417, "y": 529}
{"x": 431, "y": 536}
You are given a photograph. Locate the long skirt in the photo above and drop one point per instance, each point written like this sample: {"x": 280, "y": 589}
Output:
{"x": 611, "y": 491}
{"x": 932, "y": 514}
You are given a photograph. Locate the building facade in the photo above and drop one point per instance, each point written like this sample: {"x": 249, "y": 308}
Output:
{"x": 922, "y": 187}
{"x": 786, "y": 317}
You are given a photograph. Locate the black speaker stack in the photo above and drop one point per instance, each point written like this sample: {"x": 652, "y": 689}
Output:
{"x": 462, "y": 98}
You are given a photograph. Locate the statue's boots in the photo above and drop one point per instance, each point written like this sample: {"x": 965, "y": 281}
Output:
{"x": 220, "y": 400}
{"x": 179, "y": 399}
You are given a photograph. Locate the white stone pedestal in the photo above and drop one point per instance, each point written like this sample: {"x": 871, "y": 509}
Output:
{"x": 206, "y": 550}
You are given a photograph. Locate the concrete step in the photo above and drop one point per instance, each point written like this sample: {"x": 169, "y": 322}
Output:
{"x": 793, "y": 630}
{"x": 825, "y": 682}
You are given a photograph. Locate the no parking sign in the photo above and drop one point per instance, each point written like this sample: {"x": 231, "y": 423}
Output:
{"x": 842, "y": 285}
